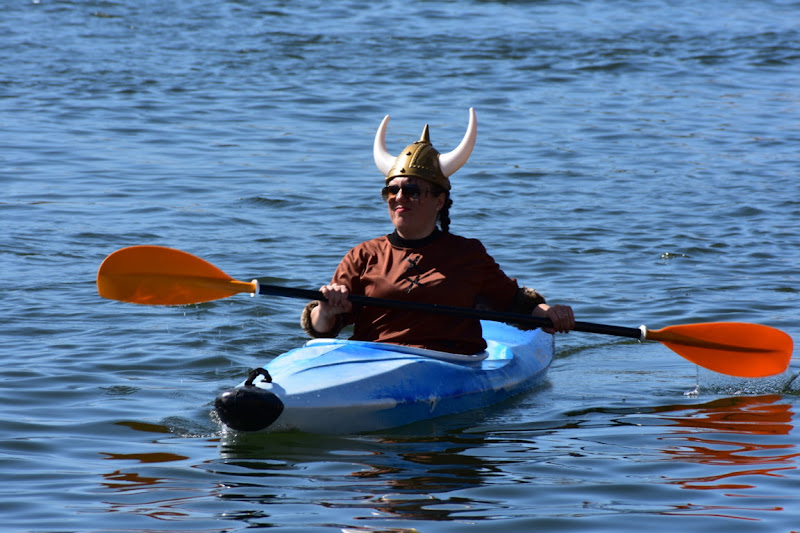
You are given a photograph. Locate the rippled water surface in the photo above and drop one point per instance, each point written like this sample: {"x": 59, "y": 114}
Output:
{"x": 637, "y": 160}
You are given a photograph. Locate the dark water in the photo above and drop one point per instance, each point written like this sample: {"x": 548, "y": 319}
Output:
{"x": 637, "y": 160}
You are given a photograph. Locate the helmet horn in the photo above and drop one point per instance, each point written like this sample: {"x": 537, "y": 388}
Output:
{"x": 452, "y": 161}
{"x": 383, "y": 159}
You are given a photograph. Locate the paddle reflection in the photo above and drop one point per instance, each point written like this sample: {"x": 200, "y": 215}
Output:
{"x": 123, "y": 481}
{"x": 133, "y": 483}
{"x": 727, "y": 434}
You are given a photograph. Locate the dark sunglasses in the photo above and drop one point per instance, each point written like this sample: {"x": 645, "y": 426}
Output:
{"x": 411, "y": 191}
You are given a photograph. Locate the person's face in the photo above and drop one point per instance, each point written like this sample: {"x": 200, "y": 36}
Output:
{"x": 413, "y": 207}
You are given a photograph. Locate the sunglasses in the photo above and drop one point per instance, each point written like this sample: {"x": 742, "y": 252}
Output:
{"x": 411, "y": 191}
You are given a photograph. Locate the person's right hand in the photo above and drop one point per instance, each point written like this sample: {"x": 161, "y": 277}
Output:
{"x": 337, "y": 302}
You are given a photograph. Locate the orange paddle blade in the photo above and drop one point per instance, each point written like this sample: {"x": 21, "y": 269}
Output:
{"x": 155, "y": 275}
{"x": 733, "y": 348}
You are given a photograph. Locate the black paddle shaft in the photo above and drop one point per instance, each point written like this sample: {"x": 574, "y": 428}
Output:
{"x": 461, "y": 312}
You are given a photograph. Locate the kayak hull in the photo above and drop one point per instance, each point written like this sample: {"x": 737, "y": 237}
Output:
{"x": 333, "y": 386}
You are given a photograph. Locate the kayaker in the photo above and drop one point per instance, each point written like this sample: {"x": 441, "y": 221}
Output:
{"x": 422, "y": 262}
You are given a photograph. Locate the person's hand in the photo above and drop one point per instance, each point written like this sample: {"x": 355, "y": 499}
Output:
{"x": 337, "y": 302}
{"x": 561, "y": 316}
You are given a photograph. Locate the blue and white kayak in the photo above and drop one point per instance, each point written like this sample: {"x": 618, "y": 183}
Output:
{"x": 341, "y": 386}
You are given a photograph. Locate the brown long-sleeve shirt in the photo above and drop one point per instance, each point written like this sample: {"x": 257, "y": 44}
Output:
{"x": 444, "y": 269}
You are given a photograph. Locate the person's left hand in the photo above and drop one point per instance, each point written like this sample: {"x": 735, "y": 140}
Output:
{"x": 561, "y": 316}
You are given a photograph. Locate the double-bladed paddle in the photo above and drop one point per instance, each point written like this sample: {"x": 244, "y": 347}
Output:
{"x": 155, "y": 275}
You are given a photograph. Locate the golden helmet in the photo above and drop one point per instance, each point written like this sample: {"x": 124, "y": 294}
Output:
{"x": 421, "y": 160}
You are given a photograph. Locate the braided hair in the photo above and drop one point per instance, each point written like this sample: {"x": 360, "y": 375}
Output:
{"x": 444, "y": 213}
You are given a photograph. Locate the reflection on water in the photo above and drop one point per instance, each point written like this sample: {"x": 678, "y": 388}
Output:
{"x": 408, "y": 478}
{"x": 738, "y": 441}
{"x": 754, "y": 415}
{"x": 728, "y": 458}
{"x": 725, "y": 437}
{"x": 122, "y": 480}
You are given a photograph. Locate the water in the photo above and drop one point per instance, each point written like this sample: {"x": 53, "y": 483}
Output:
{"x": 637, "y": 160}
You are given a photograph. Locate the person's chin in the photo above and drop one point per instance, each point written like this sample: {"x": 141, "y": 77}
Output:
{"x": 402, "y": 218}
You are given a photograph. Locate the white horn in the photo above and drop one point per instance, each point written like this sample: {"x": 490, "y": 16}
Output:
{"x": 383, "y": 159}
{"x": 452, "y": 161}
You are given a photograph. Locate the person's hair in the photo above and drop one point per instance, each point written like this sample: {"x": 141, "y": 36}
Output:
{"x": 444, "y": 213}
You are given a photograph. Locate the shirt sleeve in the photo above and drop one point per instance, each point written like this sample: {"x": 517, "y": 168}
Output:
{"x": 348, "y": 273}
{"x": 497, "y": 290}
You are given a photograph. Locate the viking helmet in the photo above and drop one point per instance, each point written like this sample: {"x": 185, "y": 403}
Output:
{"x": 421, "y": 160}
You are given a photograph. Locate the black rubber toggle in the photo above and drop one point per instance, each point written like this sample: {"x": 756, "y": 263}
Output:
{"x": 251, "y": 377}
{"x": 249, "y": 408}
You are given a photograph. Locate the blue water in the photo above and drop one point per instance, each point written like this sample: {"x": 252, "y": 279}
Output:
{"x": 636, "y": 160}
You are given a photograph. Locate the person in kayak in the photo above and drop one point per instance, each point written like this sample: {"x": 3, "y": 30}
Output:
{"x": 422, "y": 262}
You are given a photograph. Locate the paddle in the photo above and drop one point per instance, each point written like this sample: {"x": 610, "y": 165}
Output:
{"x": 154, "y": 275}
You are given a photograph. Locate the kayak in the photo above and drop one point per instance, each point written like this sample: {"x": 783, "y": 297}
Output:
{"x": 333, "y": 386}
